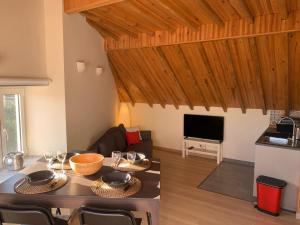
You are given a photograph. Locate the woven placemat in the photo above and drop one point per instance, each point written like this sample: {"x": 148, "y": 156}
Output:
{"x": 23, "y": 186}
{"x": 103, "y": 190}
{"x": 126, "y": 166}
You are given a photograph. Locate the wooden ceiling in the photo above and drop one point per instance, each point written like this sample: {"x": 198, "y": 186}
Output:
{"x": 226, "y": 53}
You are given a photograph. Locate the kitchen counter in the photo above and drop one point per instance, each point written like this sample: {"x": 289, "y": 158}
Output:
{"x": 281, "y": 161}
{"x": 262, "y": 140}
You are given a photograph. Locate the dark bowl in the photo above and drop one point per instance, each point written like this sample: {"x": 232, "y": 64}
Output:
{"x": 139, "y": 157}
{"x": 40, "y": 177}
{"x": 116, "y": 179}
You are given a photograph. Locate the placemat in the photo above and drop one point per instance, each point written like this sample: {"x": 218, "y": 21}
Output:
{"x": 103, "y": 190}
{"x": 23, "y": 186}
{"x": 126, "y": 166}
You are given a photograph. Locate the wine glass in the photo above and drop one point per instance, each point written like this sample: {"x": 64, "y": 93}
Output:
{"x": 131, "y": 155}
{"x": 116, "y": 157}
{"x": 49, "y": 156}
{"x": 61, "y": 156}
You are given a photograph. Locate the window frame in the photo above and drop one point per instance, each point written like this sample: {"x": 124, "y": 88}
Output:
{"x": 21, "y": 92}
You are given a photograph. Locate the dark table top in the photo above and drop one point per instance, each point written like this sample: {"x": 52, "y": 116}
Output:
{"x": 77, "y": 191}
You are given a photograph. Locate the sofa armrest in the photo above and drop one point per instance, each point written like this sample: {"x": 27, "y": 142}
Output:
{"x": 146, "y": 135}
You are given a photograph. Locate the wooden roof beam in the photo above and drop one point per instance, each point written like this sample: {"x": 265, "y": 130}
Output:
{"x": 167, "y": 64}
{"x": 258, "y": 73}
{"x": 212, "y": 77}
{"x": 75, "y": 6}
{"x": 182, "y": 55}
{"x": 117, "y": 77}
{"x": 242, "y": 9}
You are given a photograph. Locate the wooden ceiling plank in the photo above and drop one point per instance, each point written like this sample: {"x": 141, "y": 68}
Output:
{"x": 109, "y": 24}
{"x": 73, "y": 6}
{"x": 264, "y": 25}
{"x": 242, "y": 9}
{"x": 125, "y": 76}
{"x": 212, "y": 76}
{"x": 117, "y": 77}
{"x": 176, "y": 9}
{"x": 280, "y": 6}
{"x": 231, "y": 48}
{"x": 119, "y": 16}
{"x": 133, "y": 79}
{"x": 103, "y": 32}
{"x": 148, "y": 11}
{"x": 209, "y": 11}
{"x": 258, "y": 73}
{"x": 146, "y": 16}
{"x": 152, "y": 88}
{"x": 167, "y": 64}
{"x": 182, "y": 55}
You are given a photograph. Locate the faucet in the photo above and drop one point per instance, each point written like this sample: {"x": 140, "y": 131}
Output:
{"x": 294, "y": 128}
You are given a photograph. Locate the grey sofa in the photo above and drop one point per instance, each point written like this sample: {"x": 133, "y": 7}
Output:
{"x": 114, "y": 139}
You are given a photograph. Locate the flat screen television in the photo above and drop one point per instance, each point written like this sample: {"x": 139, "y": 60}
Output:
{"x": 205, "y": 127}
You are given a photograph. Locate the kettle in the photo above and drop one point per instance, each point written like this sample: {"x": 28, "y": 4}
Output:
{"x": 13, "y": 161}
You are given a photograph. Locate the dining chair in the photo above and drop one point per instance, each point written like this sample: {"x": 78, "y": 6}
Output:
{"x": 29, "y": 215}
{"x": 96, "y": 216}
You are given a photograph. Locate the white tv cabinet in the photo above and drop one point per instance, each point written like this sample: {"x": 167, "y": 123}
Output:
{"x": 204, "y": 147}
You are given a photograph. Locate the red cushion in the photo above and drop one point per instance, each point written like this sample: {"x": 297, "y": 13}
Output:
{"x": 133, "y": 137}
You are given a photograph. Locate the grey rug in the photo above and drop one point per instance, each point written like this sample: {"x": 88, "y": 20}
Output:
{"x": 233, "y": 179}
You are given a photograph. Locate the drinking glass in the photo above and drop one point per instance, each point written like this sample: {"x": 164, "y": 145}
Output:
{"x": 49, "y": 156}
{"x": 61, "y": 156}
{"x": 116, "y": 157}
{"x": 131, "y": 155}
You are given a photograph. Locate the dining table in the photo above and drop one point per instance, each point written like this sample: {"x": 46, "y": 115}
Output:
{"x": 77, "y": 191}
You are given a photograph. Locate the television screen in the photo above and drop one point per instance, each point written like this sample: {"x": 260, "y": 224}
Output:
{"x": 205, "y": 127}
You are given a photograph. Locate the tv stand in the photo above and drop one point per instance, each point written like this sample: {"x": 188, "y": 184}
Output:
{"x": 204, "y": 147}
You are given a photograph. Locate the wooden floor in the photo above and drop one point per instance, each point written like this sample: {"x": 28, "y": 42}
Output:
{"x": 183, "y": 204}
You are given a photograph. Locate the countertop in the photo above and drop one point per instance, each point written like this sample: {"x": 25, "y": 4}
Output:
{"x": 262, "y": 140}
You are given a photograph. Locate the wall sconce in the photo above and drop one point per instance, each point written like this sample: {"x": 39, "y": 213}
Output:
{"x": 99, "y": 71}
{"x": 80, "y": 66}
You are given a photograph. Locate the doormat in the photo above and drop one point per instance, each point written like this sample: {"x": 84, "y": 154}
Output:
{"x": 234, "y": 179}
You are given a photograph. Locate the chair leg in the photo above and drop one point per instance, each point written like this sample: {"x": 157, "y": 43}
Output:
{"x": 149, "y": 220}
{"x": 58, "y": 211}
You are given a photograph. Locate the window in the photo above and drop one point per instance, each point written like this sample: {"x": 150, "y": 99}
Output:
{"x": 12, "y": 120}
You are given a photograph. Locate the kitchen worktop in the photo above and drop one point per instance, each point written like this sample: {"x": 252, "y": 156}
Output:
{"x": 262, "y": 140}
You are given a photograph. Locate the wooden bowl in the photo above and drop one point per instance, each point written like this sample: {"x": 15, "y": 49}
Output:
{"x": 86, "y": 164}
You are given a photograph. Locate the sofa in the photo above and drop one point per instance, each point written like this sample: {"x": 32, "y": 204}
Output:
{"x": 114, "y": 139}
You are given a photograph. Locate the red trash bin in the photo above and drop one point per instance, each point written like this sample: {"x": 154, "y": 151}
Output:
{"x": 269, "y": 192}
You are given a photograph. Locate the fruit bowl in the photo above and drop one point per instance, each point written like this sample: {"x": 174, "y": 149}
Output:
{"x": 86, "y": 164}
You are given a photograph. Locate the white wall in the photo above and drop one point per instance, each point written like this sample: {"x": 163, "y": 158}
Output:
{"x": 31, "y": 44}
{"x": 241, "y": 130}
{"x": 90, "y": 99}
